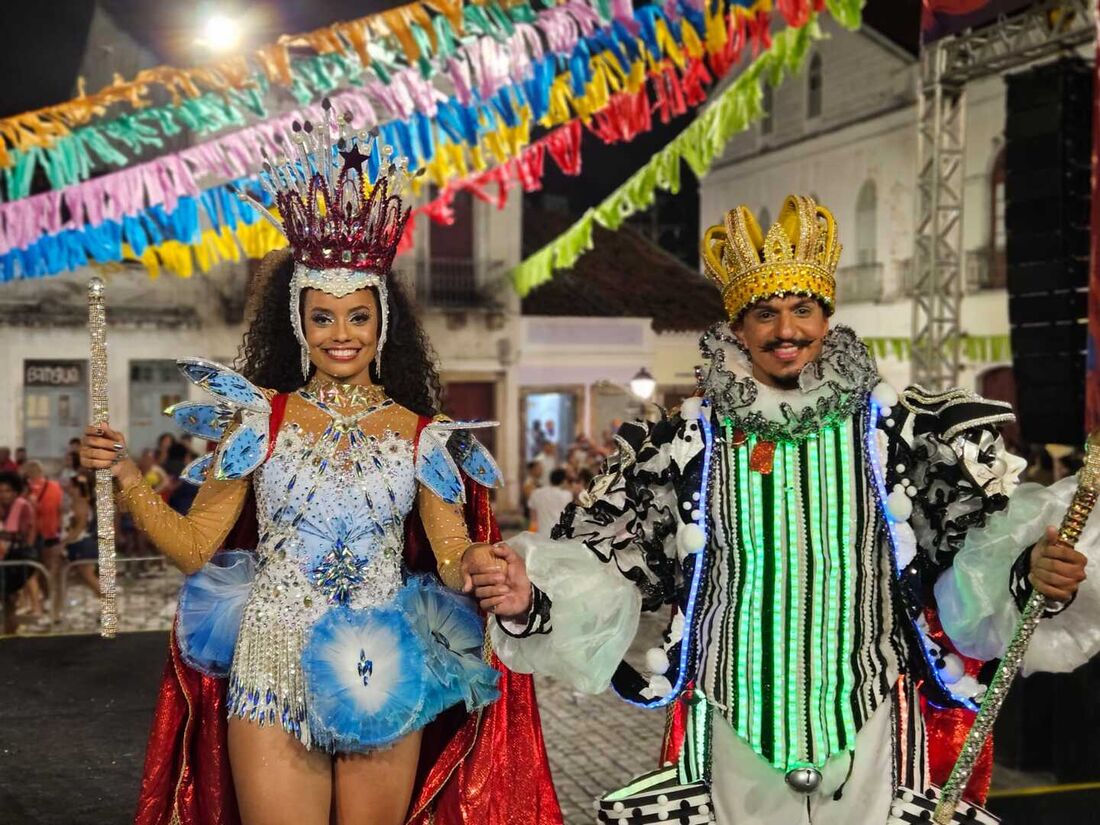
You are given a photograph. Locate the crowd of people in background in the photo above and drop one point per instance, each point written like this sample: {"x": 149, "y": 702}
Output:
{"x": 51, "y": 520}
{"x": 555, "y": 477}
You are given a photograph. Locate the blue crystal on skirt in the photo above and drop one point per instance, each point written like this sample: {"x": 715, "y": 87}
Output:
{"x": 210, "y": 605}
{"x": 365, "y": 679}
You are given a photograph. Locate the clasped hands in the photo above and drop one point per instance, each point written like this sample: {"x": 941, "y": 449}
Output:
{"x": 497, "y": 577}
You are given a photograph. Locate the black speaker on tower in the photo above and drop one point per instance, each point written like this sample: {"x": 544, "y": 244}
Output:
{"x": 1048, "y": 145}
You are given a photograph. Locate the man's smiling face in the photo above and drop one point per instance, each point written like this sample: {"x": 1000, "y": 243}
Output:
{"x": 783, "y": 335}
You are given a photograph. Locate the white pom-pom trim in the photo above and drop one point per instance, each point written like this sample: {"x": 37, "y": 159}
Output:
{"x": 660, "y": 686}
{"x": 899, "y": 506}
{"x": 952, "y": 669}
{"x": 691, "y": 407}
{"x": 884, "y": 395}
{"x": 690, "y": 538}
{"x": 656, "y": 661}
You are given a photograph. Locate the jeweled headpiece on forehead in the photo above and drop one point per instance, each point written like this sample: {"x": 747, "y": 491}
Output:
{"x": 340, "y": 208}
{"x": 798, "y": 256}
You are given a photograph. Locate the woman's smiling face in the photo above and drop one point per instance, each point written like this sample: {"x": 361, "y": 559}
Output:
{"x": 342, "y": 333}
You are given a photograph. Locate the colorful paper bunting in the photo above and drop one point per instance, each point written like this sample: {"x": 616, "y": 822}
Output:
{"x": 698, "y": 146}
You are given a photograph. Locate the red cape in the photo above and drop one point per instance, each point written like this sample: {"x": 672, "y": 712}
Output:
{"x": 488, "y": 768}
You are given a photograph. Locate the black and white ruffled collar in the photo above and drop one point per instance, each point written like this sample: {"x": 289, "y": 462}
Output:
{"x": 830, "y": 389}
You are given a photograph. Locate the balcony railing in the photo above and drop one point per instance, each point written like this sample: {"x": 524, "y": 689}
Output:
{"x": 859, "y": 282}
{"x": 457, "y": 283}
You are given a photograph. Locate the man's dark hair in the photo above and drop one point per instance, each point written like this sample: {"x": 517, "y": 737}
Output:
{"x": 557, "y": 476}
{"x": 532, "y": 464}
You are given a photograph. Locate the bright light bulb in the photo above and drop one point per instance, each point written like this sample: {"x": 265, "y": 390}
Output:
{"x": 643, "y": 384}
{"x": 221, "y": 33}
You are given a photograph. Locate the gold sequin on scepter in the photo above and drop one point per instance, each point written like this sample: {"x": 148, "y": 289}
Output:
{"x": 104, "y": 498}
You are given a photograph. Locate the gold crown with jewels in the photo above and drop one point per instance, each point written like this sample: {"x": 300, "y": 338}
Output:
{"x": 798, "y": 256}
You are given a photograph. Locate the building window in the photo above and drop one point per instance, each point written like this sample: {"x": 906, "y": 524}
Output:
{"x": 767, "y": 123}
{"x": 997, "y": 269}
{"x": 867, "y": 224}
{"x": 815, "y": 83}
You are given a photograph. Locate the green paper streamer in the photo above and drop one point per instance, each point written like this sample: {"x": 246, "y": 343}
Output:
{"x": 698, "y": 145}
{"x": 575, "y": 242}
{"x": 846, "y": 12}
{"x": 534, "y": 271}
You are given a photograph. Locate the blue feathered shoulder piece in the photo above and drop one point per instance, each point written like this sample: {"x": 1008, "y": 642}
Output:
{"x": 447, "y": 450}
{"x": 236, "y": 399}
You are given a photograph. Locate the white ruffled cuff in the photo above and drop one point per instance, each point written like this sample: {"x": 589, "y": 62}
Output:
{"x": 975, "y": 602}
{"x": 594, "y": 615}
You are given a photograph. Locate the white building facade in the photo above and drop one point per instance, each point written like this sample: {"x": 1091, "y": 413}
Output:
{"x": 468, "y": 310}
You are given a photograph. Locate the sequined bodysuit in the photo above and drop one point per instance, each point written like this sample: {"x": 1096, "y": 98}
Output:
{"x": 332, "y": 498}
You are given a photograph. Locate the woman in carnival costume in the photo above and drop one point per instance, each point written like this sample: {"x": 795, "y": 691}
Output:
{"x": 353, "y": 672}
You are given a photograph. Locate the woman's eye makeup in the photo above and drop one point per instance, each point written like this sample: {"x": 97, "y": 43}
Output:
{"x": 360, "y": 317}
{"x": 320, "y": 318}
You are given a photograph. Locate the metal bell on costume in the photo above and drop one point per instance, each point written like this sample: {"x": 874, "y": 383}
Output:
{"x": 804, "y": 780}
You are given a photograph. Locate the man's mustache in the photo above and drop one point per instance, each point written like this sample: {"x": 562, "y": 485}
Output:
{"x": 776, "y": 343}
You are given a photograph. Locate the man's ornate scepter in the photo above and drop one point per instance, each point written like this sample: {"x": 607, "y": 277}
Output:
{"x": 104, "y": 498}
{"x": 1088, "y": 487}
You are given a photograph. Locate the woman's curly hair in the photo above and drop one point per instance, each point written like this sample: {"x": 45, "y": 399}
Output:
{"x": 269, "y": 355}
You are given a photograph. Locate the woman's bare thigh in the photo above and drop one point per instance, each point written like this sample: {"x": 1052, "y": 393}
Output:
{"x": 375, "y": 788}
{"x": 276, "y": 778}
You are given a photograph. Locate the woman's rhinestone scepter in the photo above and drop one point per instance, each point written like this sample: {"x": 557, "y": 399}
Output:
{"x": 104, "y": 484}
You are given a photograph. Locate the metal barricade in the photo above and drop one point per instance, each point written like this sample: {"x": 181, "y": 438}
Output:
{"x": 163, "y": 584}
{"x": 35, "y": 567}
{"x": 125, "y": 566}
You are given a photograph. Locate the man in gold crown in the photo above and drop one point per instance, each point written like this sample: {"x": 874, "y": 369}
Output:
{"x": 811, "y": 528}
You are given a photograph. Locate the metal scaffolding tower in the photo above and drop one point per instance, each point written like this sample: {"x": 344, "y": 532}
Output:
{"x": 1041, "y": 31}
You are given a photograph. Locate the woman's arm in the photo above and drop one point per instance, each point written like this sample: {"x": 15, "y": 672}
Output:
{"x": 188, "y": 541}
{"x": 445, "y": 526}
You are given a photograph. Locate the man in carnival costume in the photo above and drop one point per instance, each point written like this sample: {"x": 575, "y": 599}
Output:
{"x": 812, "y": 528}
{"x": 360, "y": 686}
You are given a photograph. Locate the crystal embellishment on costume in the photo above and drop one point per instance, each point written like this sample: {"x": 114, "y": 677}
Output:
{"x": 366, "y": 668}
{"x": 196, "y": 472}
{"x": 224, "y": 383}
{"x": 339, "y": 573}
{"x": 201, "y": 419}
{"x": 438, "y": 469}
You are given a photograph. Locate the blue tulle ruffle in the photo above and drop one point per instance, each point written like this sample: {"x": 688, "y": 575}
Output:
{"x": 456, "y": 636}
{"x": 373, "y": 676}
{"x": 210, "y": 606}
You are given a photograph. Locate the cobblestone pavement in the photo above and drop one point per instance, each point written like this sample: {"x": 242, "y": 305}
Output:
{"x": 596, "y": 743}
{"x": 147, "y": 593}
